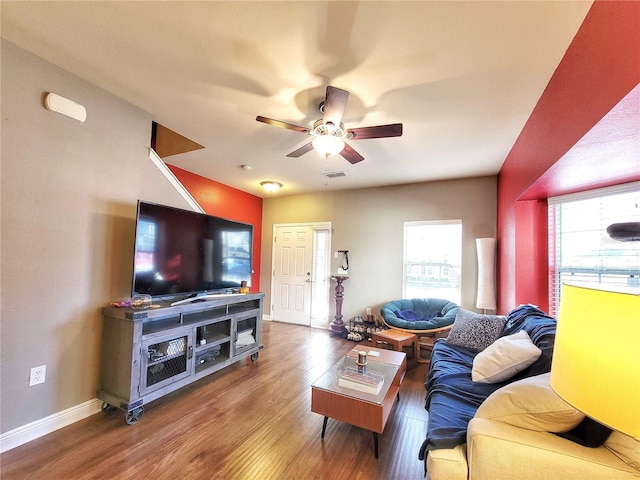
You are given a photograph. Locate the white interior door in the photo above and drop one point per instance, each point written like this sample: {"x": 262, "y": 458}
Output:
{"x": 293, "y": 258}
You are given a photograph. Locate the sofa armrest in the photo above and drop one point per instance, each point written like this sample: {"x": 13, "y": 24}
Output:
{"x": 447, "y": 464}
{"x": 500, "y": 451}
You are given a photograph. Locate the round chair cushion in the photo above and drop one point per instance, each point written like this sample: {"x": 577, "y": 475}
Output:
{"x": 419, "y": 313}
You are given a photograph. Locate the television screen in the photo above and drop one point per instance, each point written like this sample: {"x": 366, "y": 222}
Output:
{"x": 181, "y": 252}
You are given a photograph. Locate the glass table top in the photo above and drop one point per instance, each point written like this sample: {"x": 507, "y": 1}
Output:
{"x": 348, "y": 370}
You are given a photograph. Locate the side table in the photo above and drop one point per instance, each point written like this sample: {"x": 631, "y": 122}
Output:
{"x": 398, "y": 339}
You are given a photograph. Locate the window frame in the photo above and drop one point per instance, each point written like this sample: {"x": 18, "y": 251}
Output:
{"x": 559, "y": 273}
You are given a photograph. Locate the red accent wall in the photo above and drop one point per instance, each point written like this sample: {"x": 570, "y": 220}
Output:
{"x": 227, "y": 202}
{"x": 600, "y": 68}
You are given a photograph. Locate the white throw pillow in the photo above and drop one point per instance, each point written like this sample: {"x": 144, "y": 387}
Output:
{"x": 504, "y": 358}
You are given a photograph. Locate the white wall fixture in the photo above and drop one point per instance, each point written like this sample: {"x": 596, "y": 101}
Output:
{"x": 67, "y": 107}
{"x": 486, "y": 298}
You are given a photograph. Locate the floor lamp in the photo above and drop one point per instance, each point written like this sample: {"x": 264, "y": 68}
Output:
{"x": 486, "y": 299}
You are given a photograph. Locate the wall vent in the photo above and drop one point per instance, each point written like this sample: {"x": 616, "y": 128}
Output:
{"x": 334, "y": 174}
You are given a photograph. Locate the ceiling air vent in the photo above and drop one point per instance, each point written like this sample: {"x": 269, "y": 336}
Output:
{"x": 334, "y": 174}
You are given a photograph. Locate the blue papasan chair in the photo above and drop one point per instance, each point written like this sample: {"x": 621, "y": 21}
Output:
{"x": 428, "y": 318}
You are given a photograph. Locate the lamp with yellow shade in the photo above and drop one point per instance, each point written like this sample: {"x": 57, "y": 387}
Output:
{"x": 596, "y": 357}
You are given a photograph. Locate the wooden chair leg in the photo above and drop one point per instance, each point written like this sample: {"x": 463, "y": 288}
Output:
{"x": 426, "y": 343}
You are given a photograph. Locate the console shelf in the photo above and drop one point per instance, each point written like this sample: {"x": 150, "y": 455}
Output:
{"x": 147, "y": 354}
{"x": 213, "y": 339}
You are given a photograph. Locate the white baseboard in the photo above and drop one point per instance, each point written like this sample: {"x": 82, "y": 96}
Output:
{"x": 21, "y": 435}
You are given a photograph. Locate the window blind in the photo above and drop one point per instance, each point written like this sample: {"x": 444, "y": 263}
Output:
{"x": 580, "y": 250}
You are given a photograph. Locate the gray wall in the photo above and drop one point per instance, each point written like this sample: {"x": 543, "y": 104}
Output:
{"x": 369, "y": 223}
{"x": 69, "y": 192}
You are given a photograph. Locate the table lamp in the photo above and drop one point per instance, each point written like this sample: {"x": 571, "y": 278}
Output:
{"x": 596, "y": 357}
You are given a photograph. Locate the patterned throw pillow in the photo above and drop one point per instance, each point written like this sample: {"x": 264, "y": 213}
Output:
{"x": 475, "y": 331}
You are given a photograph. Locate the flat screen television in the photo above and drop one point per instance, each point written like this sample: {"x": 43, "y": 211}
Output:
{"x": 182, "y": 253}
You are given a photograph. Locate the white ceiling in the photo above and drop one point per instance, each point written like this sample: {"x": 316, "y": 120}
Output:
{"x": 463, "y": 77}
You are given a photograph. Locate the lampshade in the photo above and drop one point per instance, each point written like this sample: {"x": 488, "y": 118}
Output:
{"x": 271, "y": 186}
{"x": 328, "y": 145}
{"x": 596, "y": 357}
{"x": 486, "y": 298}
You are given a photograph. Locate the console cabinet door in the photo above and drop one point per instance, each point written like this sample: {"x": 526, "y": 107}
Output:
{"x": 246, "y": 333}
{"x": 165, "y": 359}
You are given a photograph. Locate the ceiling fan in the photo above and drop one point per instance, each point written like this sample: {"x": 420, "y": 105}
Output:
{"x": 329, "y": 132}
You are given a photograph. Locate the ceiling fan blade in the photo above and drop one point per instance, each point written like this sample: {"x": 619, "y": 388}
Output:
{"x": 334, "y": 104}
{"x": 351, "y": 155}
{"x": 380, "y": 131}
{"x": 301, "y": 151}
{"x": 278, "y": 123}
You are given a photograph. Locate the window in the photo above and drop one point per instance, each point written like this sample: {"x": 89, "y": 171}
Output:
{"x": 432, "y": 260}
{"x": 581, "y": 252}
{"x": 319, "y": 282}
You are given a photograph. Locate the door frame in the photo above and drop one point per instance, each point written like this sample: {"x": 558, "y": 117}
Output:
{"x": 315, "y": 226}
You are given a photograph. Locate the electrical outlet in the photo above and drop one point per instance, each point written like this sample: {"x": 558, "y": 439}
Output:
{"x": 38, "y": 375}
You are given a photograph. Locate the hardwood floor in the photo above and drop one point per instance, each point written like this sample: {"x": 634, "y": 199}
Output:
{"x": 249, "y": 421}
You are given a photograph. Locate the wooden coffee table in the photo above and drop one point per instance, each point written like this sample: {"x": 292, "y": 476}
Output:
{"x": 365, "y": 410}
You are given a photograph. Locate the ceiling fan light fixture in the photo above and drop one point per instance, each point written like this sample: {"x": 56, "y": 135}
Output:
{"x": 328, "y": 132}
{"x": 271, "y": 185}
{"x": 328, "y": 145}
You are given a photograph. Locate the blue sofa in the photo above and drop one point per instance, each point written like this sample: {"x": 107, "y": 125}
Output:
{"x": 453, "y": 398}
{"x": 516, "y": 428}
